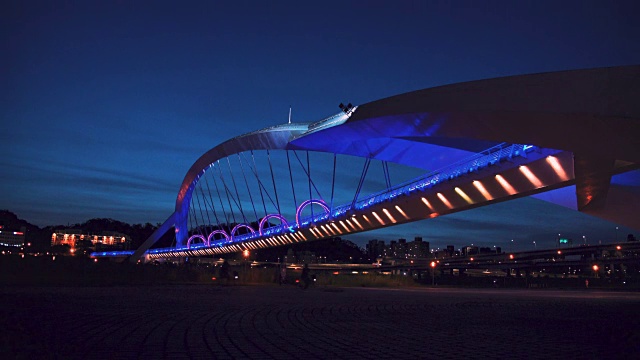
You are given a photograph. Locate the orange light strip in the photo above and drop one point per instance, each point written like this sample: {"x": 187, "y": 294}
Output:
{"x": 327, "y": 228}
{"x": 532, "y": 178}
{"x": 402, "y": 212}
{"x": 357, "y": 223}
{"x": 426, "y": 202}
{"x": 377, "y": 217}
{"x": 505, "y": 185}
{"x": 445, "y": 201}
{"x": 367, "y": 219}
{"x": 482, "y": 190}
{"x": 463, "y": 195}
{"x": 557, "y": 167}
{"x": 344, "y": 226}
{"x": 386, "y": 212}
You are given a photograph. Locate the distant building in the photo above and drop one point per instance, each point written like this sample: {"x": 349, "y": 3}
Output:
{"x": 375, "y": 249}
{"x": 418, "y": 248}
{"x": 12, "y": 238}
{"x": 469, "y": 250}
{"x": 75, "y": 239}
{"x": 401, "y": 249}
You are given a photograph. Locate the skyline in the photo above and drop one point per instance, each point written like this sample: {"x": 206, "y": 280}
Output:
{"x": 106, "y": 106}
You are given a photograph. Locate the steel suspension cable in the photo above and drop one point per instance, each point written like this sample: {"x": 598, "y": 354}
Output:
{"x": 233, "y": 180}
{"x": 206, "y": 210}
{"x": 305, "y": 171}
{"x": 274, "y": 182}
{"x": 260, "y": 186}
{"x": 248, "y": 190}
{"x": 227, "y": 218}
{"x": 199, "y": 208}
{"x": 229, "y": 198}
{"x": 192, "y": 218}
{"x": 387, "y": 177}
{"x": 293, "y": 189}
{"x": 255, "y": 173}
{"x": 309, "y": 176}
{"x": 215, "y": 213}
{"x": 361, "y": 182}
{"x": 333, "y": 181}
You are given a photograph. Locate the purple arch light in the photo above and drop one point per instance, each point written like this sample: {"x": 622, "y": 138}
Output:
{"x": 307, "y": 203}
{"x": 196, "y": 237}
{"x": 233, "y": 231}
{"x": 210, "y": 237}
{"x": 271, "y": 216}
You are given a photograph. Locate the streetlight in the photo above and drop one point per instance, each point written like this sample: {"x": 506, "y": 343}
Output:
{"x": 534, "y": 245}
{"x": 245, "y": 254}
{"x": 433, "y": 273}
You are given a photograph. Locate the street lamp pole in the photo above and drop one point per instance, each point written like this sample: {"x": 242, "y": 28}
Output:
{"x": 433, "y": 273}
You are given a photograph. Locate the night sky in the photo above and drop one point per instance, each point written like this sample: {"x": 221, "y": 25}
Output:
{"x": 106, "y": 105}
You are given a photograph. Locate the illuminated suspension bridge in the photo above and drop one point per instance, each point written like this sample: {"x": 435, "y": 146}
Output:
{"x": 302, "y": 182}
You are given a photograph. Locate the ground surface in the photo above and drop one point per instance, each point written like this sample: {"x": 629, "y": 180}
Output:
{"x": 272, "y": 322}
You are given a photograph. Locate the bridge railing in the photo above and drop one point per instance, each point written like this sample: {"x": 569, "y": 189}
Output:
{"x": 477, "y": 161}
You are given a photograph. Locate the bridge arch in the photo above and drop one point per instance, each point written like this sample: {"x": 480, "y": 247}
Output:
{"x": 307, "y": 203}
{"x": 235, "y": 228}
{"x": 271, "y": 216}
{"x": 210, "y": 237}
{"x": 196, "y": 237}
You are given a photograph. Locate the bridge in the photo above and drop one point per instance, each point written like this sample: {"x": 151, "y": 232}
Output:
{"x": 447, "y": 149}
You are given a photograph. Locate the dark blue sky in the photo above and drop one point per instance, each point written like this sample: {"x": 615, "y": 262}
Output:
{"x": 106, "y": 105}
